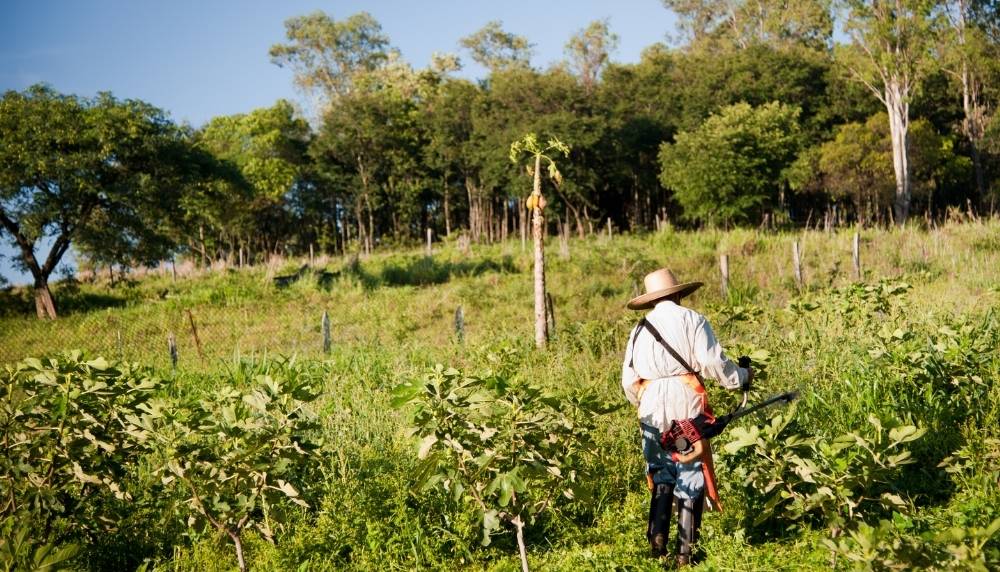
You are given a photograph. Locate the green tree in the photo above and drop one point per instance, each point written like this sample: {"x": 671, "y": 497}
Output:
{"x": 325, "y": 54}
{"x": 84, "y": 170}
{"x": 235, "y": 456}
{"x": 495, "y": 49}
{"x": 447, "y": 118}
{"x": 734, "y": 164}
{"x": 267, "y": 148}
{"x": 969, "y": 54}
{"x": 368, "y": 132}
{"x": 889, "y": 54}
{"x": 589, "y": 50}
{"x": 742, "y": 23}
{"x": 855, "y": 166}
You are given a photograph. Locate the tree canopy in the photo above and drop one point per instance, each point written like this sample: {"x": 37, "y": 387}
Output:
{"x": 755, "y": 114}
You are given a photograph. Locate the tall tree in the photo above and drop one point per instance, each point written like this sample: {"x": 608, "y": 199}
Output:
{"x": 496, "y": 49}
{"x": 889, "y": 55}
{"x": 325, "y": 54}
{"x": 969, "y": 54}
{"x": 365, "y": 132}
{"x": 267, "y": 146}
{"x": 744, "y": 23}
{"x": 76, "y": 169}
{"x": 447, "y": 118}
{"x": 734, "y": 164}
{"x": 589, "y": 50}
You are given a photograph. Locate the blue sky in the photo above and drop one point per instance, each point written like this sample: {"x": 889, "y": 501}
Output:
{"x": 200, "y": 59}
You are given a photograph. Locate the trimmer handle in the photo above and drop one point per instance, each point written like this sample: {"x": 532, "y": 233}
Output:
{"x": 744, "y": 362}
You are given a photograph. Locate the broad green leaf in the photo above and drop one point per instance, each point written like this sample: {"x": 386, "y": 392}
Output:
{"x": 425, "y": 446}
{"x": 98, "y": 363}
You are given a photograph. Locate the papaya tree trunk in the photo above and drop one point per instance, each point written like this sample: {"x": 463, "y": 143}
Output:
{"x": 538, "y": 234}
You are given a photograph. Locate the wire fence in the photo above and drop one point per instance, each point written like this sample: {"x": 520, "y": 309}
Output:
{"x": 182, "y": 338}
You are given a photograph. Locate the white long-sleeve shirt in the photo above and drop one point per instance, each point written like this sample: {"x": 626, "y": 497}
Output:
{"x": 667, "y": 396}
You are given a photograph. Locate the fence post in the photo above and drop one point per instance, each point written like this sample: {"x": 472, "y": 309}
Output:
{"x": 430, "y": 234}
{"x": 326, "y": 332}
{"x": 564, "y": 240}
{"x": 551, "y": 312}
{"x": 121, "y": 345}
{"x": 609, "y": 228}
{"x": 856, "y": 248}
{"x": 311, "y": 258}
{"x": 797, "y": 263}
{"x": 724, "y": 271}
{"x": 172, "y": 348}
{"x": 459, "y": 324}
{"x": 241, "y": 257}
{"x": 194, "y": 332}
{"x": 173, "y": 269}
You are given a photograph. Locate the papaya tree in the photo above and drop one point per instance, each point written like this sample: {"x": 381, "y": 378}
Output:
{"x": 529, "y": 146}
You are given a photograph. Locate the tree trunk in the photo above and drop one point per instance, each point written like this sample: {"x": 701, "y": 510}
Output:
{"x": 538, "y": 233}
{"x": 447, "y": 212}
{"x": 973, "y": 124}
{"x": 202, "y": 247}
{"x": 519, "y": 524}
{"x": 899, "y": 122}
{"x": 239, "y": 551}
{"x": 45, "y": 306}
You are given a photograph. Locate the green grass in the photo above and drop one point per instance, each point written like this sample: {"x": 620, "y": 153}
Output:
{"x": 392, "y": 317}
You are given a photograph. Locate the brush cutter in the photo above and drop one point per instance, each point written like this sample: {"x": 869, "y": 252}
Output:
{"x": 683, "y": 435}
{"x": 683, "y": 438}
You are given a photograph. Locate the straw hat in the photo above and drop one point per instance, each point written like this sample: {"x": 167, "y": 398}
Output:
{"x": 660, "y": 284}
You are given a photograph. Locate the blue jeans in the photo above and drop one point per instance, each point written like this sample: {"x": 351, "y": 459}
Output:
{"x": 686, "y": 478}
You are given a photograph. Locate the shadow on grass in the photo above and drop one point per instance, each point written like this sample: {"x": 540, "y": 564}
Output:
{"x": 20, "y": 301}
{"x": 425, "y": 271}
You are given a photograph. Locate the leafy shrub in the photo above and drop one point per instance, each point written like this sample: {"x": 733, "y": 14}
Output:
{"x": 234, "y": 455}
{"x": 802, "y": 478}
{"x": 512, "y": 451}
{"x": 71, "y": 430}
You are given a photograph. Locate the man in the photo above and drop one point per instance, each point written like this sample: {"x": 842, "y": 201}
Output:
{"x": 668, "y": 355}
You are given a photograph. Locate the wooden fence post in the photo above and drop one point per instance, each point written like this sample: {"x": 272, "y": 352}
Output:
{"x": 429, "y": 236}
{"x": 326, "y": 332}
{"x": 173, "y": 269}
{"x": 459, "y": 324}
{"x": 797, "y": 263}
{"x": 609, "y": 228}
{"x": 172, "y": 348}
{"x": 311, "y": 258}
{"x": 564, "y": 240}
{"x": 724, "y": 271}
{"x": 551, "y": 312}
{"x": 856, "y": 248}
{"x": 194, "y": 332}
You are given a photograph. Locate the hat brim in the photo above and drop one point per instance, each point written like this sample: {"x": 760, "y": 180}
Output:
{"x": 649, "y": 299}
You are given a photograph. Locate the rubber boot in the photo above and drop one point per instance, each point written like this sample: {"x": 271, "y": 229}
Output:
{"x": 658, "y": 528}
{"x": 689, "y": 512}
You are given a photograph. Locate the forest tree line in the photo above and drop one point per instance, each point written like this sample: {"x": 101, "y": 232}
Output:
{"x": 755, "y": 116}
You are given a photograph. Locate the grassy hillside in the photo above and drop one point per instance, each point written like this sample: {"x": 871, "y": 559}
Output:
{"x": 914, "y": 343}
